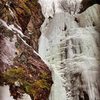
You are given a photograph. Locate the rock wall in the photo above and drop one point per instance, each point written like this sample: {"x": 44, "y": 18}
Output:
{"x": 23, "y": 74}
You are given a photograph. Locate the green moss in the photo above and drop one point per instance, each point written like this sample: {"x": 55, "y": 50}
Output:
{"x": 41, "y": 84}
{"x": 26, "y": 9}
{"x": 16, "y": 44}
{"x": 30, "y": 86}
{"x": 13, "y": 74}
{"x": 18, "y": 74}
{"x": 44, "y": 75}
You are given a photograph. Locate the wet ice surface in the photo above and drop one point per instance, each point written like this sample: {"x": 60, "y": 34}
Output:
{"x": 73, "y": 53}
{"x": 50, "y": 7}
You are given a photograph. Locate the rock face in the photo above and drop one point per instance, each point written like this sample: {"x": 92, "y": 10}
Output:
{"x": 87, "y": 3}
{"x": 22, "y": 71}
{"x": 72, "y": 48}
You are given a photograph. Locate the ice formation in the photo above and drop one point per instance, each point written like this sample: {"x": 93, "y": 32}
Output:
{"x": 71, "y": 50}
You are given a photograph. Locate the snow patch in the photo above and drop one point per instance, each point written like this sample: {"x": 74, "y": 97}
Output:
{"x": 5, "y": 93}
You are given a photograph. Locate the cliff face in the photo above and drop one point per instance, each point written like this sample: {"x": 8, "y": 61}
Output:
{"x": 21, "y": 68}
{"x": 27, "y": 14}
{"x": 72, "y": 48}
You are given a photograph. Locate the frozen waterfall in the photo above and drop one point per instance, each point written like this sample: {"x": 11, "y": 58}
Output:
{"x": 72, "y": 52}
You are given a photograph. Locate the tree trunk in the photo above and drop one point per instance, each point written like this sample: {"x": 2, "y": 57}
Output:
{"x": 70, "y": 44}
